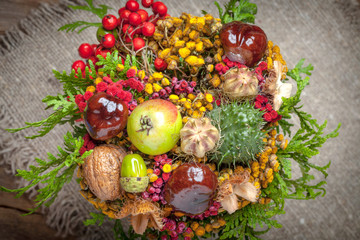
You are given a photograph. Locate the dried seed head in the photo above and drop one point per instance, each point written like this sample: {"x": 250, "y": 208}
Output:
{"x": 198, "y": 136}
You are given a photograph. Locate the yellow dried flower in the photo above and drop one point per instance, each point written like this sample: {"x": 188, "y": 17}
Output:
{"x": 187, "y": 105}
{"x": 208, "y": 227}
{"x": 179, "y": 44}
{"x": 157, "y": 87}
{"x": 141, "y": 74}
{"x": 158, "y": 35}
{"x": 279, "y": 137}
{"x": 165, "y": 82}
{"x": 177, "y": 22}
{"x": 202, "y": 109}
{"x": 98, "y": 80}
{"x": 184, "y": 52}
{"x": 199, "y": 47}
{"x": 140, "y": 100}
{"x": 120, "y": 67}
{"x": 185, "y": 119}
{"x": 191, "y": 45}
{"x": 215, "y": 81}
{"x": 174, "y": 97}
{"x": 221, "y": 221}
{"x": 194, "y": 225}
{"x": 166, "y": 168}
{"x": 157, "y": 76}
{"x": 164, "y": 53}
{"x": 209, "y": 98}
{"x": 192, "y": 60}
{"x": 90, "y": 89}
{"x": 209, "y": 106}
{"x": 153, "y": 177}
{"x": 196, "y": 114}
{"x": 191, "y": 96}
{"x": 149, "y": 171}
{"x": 218, "y": 58}
{"x": 200, "y": 231}
{"x": 149, "y": 88}
{"x": 210, "y": 67}
{"x": 194, "y": 35}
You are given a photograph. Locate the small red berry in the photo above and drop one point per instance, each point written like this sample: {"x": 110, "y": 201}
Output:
{"x": 128, "y": 30}
{"x": 138, "y": 43}
{"x": 108, "y": 40}
{"x": 152, "y": 19}
{"x": 135, "y": 19}
{"x": 124, "y": 16}
{"x": 160, "y": 64}
{"x": 120, "y": 10}
{"x": 132, "y": 5}
{"x": 147, "y": 3}
{"x": 93, "y": 60}
{"x": 143, "y": 14}
{"x": 101, "y": 51}
{"x": 159, "y": 8}
{"x": 148, "y": 29}
{"x": 109, "y": 22}
{"x": 85, "y": 50}
{"x": 94, "y": 47}
{"x": 79, "y": 64}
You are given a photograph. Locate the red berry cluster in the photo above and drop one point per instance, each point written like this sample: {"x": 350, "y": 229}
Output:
{"x": 174, "y": 229}
{"x": 213, "y": 210}
{"x": 88, "y": 144}
{"x": 270, "y": 115}
{"x": 134, "y": 21}
{"x": 155, "y": 189}
{"x": 221, "y": 68}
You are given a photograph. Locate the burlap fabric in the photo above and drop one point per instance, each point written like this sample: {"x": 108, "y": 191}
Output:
{"x": 325, "y": 32}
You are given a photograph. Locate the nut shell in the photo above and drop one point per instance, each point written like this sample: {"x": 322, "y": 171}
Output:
{"x": 134, "y": 184}
{"x": 102, "y": 170}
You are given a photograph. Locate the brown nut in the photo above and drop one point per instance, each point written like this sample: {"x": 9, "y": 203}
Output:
{"x": 102, "y": 171}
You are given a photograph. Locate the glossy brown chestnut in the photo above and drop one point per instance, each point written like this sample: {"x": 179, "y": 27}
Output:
{"x": 191, "y": 188}
{"x": 243, "y": 43}
{"x": 105, "y": 116}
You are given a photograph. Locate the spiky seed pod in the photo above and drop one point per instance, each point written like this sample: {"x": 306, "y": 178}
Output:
{"x": 198, "y": 136}
{"x": 240, "y": 83}
{"x": 240, "y": 126}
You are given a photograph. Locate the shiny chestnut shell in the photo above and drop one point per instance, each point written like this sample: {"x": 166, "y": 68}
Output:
{"x": 105, "y": 116}
{"x": 243, "y": 43}
{"x": 191, "y": 188}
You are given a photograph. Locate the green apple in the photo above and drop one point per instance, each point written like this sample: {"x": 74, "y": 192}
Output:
{"x": 154, "y": 126}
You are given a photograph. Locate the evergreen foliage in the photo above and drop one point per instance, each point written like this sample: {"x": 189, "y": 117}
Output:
{"x": 62, "y": 170}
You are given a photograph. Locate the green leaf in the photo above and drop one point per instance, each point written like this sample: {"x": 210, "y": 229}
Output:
{"x": 54, "y": 173}
{"x": 97, "y": 218}
{"x": 100, "y": 11}
{"x": 237, "y": 10}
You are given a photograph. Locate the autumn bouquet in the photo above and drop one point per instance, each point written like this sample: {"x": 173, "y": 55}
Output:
{"x": 181, "y": 123}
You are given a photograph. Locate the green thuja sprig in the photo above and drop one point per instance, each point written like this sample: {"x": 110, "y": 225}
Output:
{"x": 237, "y": 10}
{"x": 305, "y": 143}
{"x": 100, "y": 11}
{"x": 63, "y": 166}
{"x": 65, "y": 109}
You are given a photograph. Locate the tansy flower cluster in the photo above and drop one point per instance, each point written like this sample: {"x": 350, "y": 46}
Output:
{"x": 185, "y": 43}
{"x": 273, "y": 54}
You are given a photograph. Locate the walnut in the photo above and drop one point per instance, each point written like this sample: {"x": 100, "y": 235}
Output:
{"x": 102, "y": 171}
